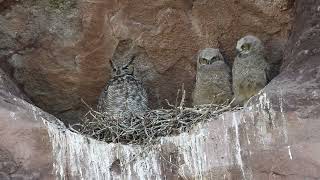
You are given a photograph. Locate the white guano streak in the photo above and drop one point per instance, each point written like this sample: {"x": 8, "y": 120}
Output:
{"x": 285, "y": 125}
{"x": 79, "y": 157}
{"x": 235, "y": 123}
{"x": 289, "y": 152}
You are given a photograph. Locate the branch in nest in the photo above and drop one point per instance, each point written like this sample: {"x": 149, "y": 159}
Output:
{"x": 154, "y": 124}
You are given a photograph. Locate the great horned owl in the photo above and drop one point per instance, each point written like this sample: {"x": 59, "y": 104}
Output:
{"x": 249, "y": 70}
{"x": 213, "y": 81}
{"x": 124, "y": 95}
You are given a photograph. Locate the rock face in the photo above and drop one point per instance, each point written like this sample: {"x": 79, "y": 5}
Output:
{"x": 25, "y": 151}
{"x": 276, "y": 136}
{"x": 286, "y": 134}
{"x": 8, "y": 86}
{"x": 58, "y": 51}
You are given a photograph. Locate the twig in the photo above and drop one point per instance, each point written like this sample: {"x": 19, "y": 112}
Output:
{"x": 148, "y": 128}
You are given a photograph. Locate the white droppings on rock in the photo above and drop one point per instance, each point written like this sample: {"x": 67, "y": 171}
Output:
{"x": 192, "y": 149}
{"x": 284, "y": 120}
{"x": 262, "y": 115}
{"x": 13, "y": 115}
{"x": 248, "y": 140}
{"x": 289, "y": 152}
{"x": 264, "y": 101}
{"x": 235, "y": 124}
{"x": 34, "y": 110}
{"x": 84, "y": 158}
{"x": 266, "y": 108}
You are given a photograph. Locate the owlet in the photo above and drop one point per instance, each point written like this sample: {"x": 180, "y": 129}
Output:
{"x": 249, "y": 70}
{"x": 213, "y": 81}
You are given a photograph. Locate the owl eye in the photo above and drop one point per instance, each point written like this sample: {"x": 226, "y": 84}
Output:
{"x": 128, "y": 69}
{"x": 214, "y": 59}
{"x": 246, "y": 47}
{"x": 131, "y": 69}
{"x": 203, "y": 61}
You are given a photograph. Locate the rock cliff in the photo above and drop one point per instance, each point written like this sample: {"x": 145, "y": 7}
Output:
{"x": 58, "y": 51}
{"x": 276, "y": 136}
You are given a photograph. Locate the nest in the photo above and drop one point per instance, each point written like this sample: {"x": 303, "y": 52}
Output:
{"x": 148, "y": 128}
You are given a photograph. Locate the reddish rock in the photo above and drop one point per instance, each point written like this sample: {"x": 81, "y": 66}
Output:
{"x": 276, "y": 136}
{"x": 64, "y": 52}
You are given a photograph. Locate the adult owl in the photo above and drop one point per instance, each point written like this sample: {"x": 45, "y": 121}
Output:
{"x": 124, "y": 96}
{"x": 213, "y": 79}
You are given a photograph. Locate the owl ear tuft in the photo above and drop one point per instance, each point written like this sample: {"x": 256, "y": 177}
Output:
{"x": 130, "y": 62}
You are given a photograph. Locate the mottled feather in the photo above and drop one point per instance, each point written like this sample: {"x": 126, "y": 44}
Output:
{"x": 213, "y": 79}
{"x": 249, "y": 70}
{"x": 124, "y": 95}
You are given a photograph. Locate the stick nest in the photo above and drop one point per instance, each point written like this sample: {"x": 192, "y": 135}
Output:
{"x": 148, "y": 128}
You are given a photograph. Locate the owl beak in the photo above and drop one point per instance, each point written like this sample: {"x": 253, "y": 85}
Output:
{"x": 238, "y": 52}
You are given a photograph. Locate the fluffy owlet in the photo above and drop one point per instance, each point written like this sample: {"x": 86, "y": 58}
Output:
{"x": 124, "y": 95}
{"x": 213, "y": 81}
{"x": 249, "y": 70}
